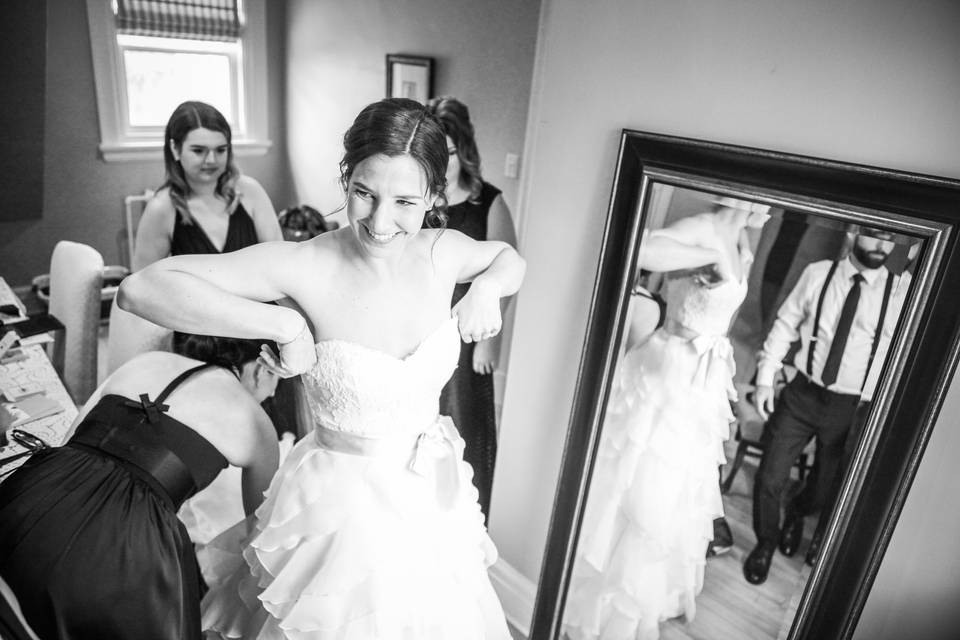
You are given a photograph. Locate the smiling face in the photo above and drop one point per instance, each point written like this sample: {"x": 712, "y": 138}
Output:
{"x": 386, "y": 201}
{"x": 203, "y": 155}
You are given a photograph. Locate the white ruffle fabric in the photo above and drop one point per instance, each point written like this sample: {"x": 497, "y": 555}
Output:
{"x": 655, "y": 489}
{"x": 220, "y": 505}
{"x": 360, "y": 537}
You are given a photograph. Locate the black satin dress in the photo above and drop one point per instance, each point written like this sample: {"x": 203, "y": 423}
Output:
{"x": 468, "y": 396}
{"x": 90, "y": 541}
{"x": 191, "y": 238}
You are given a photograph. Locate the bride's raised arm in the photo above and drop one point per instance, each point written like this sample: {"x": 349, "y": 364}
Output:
{"x": 682, "y": 245}
{"x": 220, "y": 294}
{"x": 494, "y": 269}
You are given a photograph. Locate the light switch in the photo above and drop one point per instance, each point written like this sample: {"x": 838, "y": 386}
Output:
{"x": 511, "y": 165}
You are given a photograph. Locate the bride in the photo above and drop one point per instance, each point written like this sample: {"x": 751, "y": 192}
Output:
{"x": 655, "y": 491}
{"x": 371, "y": 526}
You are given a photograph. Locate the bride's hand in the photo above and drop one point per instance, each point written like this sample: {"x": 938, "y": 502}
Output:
{"x": 295, "y": 357}
{"x": 478, "y": 312}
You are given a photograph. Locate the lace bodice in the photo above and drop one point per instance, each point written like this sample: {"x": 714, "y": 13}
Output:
{"x": 707, "y": 311}
{"x": 361, "y": 390}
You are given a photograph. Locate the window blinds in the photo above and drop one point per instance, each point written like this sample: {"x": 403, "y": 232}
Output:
{"x": 194, "y": 19}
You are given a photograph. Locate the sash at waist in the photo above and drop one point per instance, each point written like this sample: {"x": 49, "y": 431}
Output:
{"x": 434, "y": 453}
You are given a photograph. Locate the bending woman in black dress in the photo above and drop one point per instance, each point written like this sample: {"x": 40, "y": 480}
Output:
{"x": 90, "y": 543}
{"x": 477, "y": 209}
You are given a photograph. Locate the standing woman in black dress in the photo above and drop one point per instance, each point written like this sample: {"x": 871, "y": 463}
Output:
{"x": 477, "y": 209}
{"x": 90, "y": 543}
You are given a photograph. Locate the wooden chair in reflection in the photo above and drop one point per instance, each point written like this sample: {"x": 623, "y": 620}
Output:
{"x": 76, "y": 279}
{"x": 750, "y": 428}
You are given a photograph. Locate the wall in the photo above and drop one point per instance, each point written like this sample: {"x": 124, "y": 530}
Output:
{"x": 865, "y": 81}
{"x": 483, "y": 55}
{"x": 83, "y": 196}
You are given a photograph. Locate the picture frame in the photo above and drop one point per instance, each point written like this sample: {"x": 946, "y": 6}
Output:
{"x": 409, "y": 77}
{"x": 925, "y": 352}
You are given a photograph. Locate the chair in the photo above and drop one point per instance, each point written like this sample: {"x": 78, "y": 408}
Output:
{"x": 133, "y": 207}
{"x": 750, "y": 427}
{"x": 129, "y": 335}
{"x": 76, "y": 278}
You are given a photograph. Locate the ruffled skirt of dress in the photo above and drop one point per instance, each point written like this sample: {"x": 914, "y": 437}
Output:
{"x": 352, "y": 546}
{"x": 655, "y": 490}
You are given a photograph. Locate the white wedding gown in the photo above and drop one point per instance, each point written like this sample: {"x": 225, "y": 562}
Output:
{"x": 371, "y": 527}
{"x": 655, "y": 487}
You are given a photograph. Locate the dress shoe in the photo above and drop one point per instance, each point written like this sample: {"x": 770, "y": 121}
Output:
{"x": 722, "y": 538}
{"x": 757, "y": 565}
{"x": 813, "y": 551}
{"x": 791, "y": 534}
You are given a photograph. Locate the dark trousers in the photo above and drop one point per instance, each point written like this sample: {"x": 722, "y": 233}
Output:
{"x": 803, "y": 411}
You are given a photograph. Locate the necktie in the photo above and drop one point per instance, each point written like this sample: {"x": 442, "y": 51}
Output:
{"x": 832, "y": 366}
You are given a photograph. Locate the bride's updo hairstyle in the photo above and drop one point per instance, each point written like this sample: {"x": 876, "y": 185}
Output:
{"x": 400, "y": 127}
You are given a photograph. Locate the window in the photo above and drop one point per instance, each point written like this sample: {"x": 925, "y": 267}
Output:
{"x": 151, "y": 55}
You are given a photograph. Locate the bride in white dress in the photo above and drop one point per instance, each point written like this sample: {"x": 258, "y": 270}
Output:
{"x": 371, "y": 527}
{"x": 655, "y": 490}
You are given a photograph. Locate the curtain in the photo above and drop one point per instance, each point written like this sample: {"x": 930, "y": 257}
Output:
{"x": 194, "y": 19}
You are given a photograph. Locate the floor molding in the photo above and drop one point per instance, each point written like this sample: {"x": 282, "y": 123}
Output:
{"x": 517, "y": 594}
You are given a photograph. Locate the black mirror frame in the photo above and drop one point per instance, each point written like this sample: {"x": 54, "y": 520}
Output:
{"x": 888, "y": 455}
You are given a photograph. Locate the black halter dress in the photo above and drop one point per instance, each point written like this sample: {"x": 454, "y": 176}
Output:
{"x": 90, "y": 542}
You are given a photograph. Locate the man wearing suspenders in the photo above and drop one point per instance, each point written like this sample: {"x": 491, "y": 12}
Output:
{"x": 843, "y": 313}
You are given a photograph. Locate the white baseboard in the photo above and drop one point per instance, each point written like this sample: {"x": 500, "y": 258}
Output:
{"x": 517, "y": 594}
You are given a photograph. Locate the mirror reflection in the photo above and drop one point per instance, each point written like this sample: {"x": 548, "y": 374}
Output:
{"x": 754, "y": 343}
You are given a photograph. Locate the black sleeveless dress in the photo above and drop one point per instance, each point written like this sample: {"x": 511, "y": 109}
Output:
{"x": 468, "y": 396}
{"x": 191, "y": 238}
{"x": 90, "y": 542}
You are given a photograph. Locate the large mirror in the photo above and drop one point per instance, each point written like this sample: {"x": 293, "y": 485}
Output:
{"x": 767, "y": 347}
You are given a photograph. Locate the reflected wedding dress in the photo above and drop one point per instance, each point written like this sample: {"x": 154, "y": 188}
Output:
{"x": 655, "y": 488}
{"x": 371, "y": 527}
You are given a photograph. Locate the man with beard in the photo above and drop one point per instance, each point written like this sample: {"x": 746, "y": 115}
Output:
{"x": 843, "y": 313}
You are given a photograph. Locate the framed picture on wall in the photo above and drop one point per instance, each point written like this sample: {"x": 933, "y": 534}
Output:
{"x": 409, "y": 77}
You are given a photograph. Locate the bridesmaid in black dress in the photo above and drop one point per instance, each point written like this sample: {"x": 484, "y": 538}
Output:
{"x": 477, "y": 209}
{"x": 90, "y": 543}
{"x": 205, "y": 204}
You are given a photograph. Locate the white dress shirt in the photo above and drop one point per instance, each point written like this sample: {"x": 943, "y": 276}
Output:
{"x": 796, "y": 316}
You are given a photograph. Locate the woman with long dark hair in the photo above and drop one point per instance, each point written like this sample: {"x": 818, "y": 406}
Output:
{"x": 205, "y": 204}
{"x": 476, "y": 208}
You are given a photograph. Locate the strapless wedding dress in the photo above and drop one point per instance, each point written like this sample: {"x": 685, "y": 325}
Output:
{"x": 655, "y": 487}
{"x": 371, "y": 527}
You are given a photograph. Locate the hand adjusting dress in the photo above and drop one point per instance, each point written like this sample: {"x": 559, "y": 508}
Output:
{"x": 89, "y": 537}
{"x": 370, "y": 528}
{"x": 655, "y": 490}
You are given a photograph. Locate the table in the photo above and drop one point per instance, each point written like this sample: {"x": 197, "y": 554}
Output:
{"x": 53, "y": 430}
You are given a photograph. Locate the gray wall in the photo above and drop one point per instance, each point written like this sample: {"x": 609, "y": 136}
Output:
{"x": 872, "y": 82}
{"x": 83, "y": 195}
{"x": 483, "y": 53}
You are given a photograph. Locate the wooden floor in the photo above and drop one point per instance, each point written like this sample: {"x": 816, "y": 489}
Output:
{"x": 730, "y": 608}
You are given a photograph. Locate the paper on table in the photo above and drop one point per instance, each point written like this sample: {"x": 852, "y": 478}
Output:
{"x": 28, "y": 409}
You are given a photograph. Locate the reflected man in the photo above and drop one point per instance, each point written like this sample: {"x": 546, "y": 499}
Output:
{"x": 843, "y": 313}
